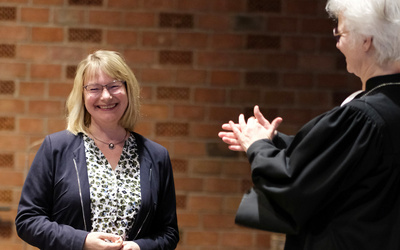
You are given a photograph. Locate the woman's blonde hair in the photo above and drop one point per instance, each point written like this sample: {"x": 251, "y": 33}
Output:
{"x": 112, "y": 64}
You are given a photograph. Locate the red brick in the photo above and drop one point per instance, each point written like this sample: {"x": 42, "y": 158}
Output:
{"x": 156, "y": 4}
{"x": 189, "y": 112}
{"x": 242, "y": 96}
{"x": 281, "y": 61}
{"x": 60, "y": 89}
{"x": 283, "y": 24}
{"x": 191, "y": 76}
{"x": 46, "y": 71}
{"x": 193, "y": 5}
{"x": 204, "y": 203}
{"x": 304, "y": 7}
{"x": 124, "y": 4}
{"x": 231, "y": 203}
{"x": 31, "y": 125}
{"x": 62, "y": 54}
{"x": 310, "y": 98}
{"x": 191, "y": 40}
{"x": 13, "y": 70}
{"x": 189, "y": 184}
{"x": 237, "y": 239}
{"x": 205, "y": 130}
{"x": 37, "y": 53}
{"x": 13, "y": 33}
{"x": 157, "y": 39}
{"x": 298, "y": 80}
{"x": 118, "y": 37}
{"x": 155, "y": 111}
{"x": 46, "y": 34}
{"x": 279, "y": 97}
{"x": 210, "y": 95}
{"x": 186, "y": 220}
{"x": 317, "y": 62}
{"x": 49, "y": 2}
{"x": 9, "y": 143}
{"x": 236, "y": 168}
{"x": 46, "y": 107}
{"x": 218, "y": 221}
{"x": 14, "y": 1}
{"x": 12, "y": 106}
{"x": 218, "y": 185}
{"x": 214, "y": 22}
{"x": 69, "y": 16}
{"x": 140, "y": 19}
{"x": 140, "y": 56}
{"x": 187, "y": 148}
{"x": 144, "y": 128}
{"x": 206, "y": 167}
{"x": 157, "y": 75}
{"x": 55, "y": 125}
{"x": 109, "y": 18}
{"x": 32, "y": 89}
{"x": 200, "y": 238}
{"x": 224, "y": 114}
{"x": 35, "y": 15}
{"x": 227, "y": 6}
{"x": 298, "y": 44}
{"x": 226, "y": 78}
{"x": 227, "y": 41}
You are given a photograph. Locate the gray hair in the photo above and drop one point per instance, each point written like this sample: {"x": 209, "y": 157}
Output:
{"x": 379, "y": 19}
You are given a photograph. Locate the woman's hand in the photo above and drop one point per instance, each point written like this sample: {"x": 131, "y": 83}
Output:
{"x": 243, "y": 134}
{"x": 100, "y": 241}
{"x": 130, "y": 245}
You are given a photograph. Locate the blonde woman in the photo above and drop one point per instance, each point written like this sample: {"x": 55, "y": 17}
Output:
{"x": 99, "y": 185}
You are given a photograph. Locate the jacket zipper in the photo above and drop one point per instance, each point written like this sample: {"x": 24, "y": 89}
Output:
{"x": 148, "y": 212}
{"x": 80, "y": 195}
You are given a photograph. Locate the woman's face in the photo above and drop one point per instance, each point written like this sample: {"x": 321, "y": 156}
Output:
{"x": 352, "y": 50}
{"x": 105, "y": 108}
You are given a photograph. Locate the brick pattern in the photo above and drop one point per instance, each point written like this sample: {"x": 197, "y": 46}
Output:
{"x": 200, "y": 63}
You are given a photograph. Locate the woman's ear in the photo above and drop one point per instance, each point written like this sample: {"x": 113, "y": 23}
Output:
{"x": 367, "y": 44}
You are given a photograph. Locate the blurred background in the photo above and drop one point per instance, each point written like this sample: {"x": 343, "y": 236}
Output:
{"x": 200, "y": 63}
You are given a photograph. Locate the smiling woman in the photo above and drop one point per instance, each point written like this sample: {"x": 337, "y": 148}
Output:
{"x": 334, "y": 185}
{"x": 98, "y": 184}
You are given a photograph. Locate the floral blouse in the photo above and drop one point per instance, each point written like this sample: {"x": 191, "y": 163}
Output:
{"x": 115, "y": 194}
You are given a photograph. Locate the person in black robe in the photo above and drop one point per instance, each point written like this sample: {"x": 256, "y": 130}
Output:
{"x": 336, "y": 183}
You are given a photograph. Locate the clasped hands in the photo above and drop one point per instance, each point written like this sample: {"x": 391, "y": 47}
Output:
{"x": 106, "y": 241}
{"x": 241, "y": 135}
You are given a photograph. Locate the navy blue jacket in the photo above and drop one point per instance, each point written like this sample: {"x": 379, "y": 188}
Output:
{"x": 54, "y": 210}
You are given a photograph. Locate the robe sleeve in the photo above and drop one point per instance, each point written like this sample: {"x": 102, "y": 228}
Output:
{"x": 325, "y": 159}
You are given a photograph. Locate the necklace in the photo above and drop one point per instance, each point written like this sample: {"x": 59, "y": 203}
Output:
{"x": 111, "y": 145}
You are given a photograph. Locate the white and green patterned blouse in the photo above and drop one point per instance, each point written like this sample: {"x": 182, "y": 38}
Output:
{"x": 115, "y": 194}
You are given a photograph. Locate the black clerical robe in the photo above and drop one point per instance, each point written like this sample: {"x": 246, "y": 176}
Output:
{"x": 336, "y": 183}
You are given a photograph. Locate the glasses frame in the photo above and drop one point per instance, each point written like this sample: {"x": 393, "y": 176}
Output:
{"x": 104, "y": 86}
{"x": 337, "y": 34}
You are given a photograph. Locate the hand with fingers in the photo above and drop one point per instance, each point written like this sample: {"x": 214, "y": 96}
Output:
{"x": 240, "y": 136}
{"x": 106, "y": 241}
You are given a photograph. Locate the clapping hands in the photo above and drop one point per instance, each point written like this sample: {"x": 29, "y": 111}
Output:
{"x": 240, "y": 136}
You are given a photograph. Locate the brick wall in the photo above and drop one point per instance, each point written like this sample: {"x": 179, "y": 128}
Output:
{"x": 200, "y": 63}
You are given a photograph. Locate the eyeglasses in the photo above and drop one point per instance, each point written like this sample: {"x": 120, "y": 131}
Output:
{"x": 113, "y": 87}
{"x": 337, "y": 34}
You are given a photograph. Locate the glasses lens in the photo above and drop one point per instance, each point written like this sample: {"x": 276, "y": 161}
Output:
{"x": 114, "y": 87}
{"x": 336, "y": 34}
{"x": 94, "y": 88}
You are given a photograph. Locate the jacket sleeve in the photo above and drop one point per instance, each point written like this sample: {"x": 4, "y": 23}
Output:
{"x": 162, "y": 232}
{"x": 324, "y": 160}
{"x": 34, "y": 222}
